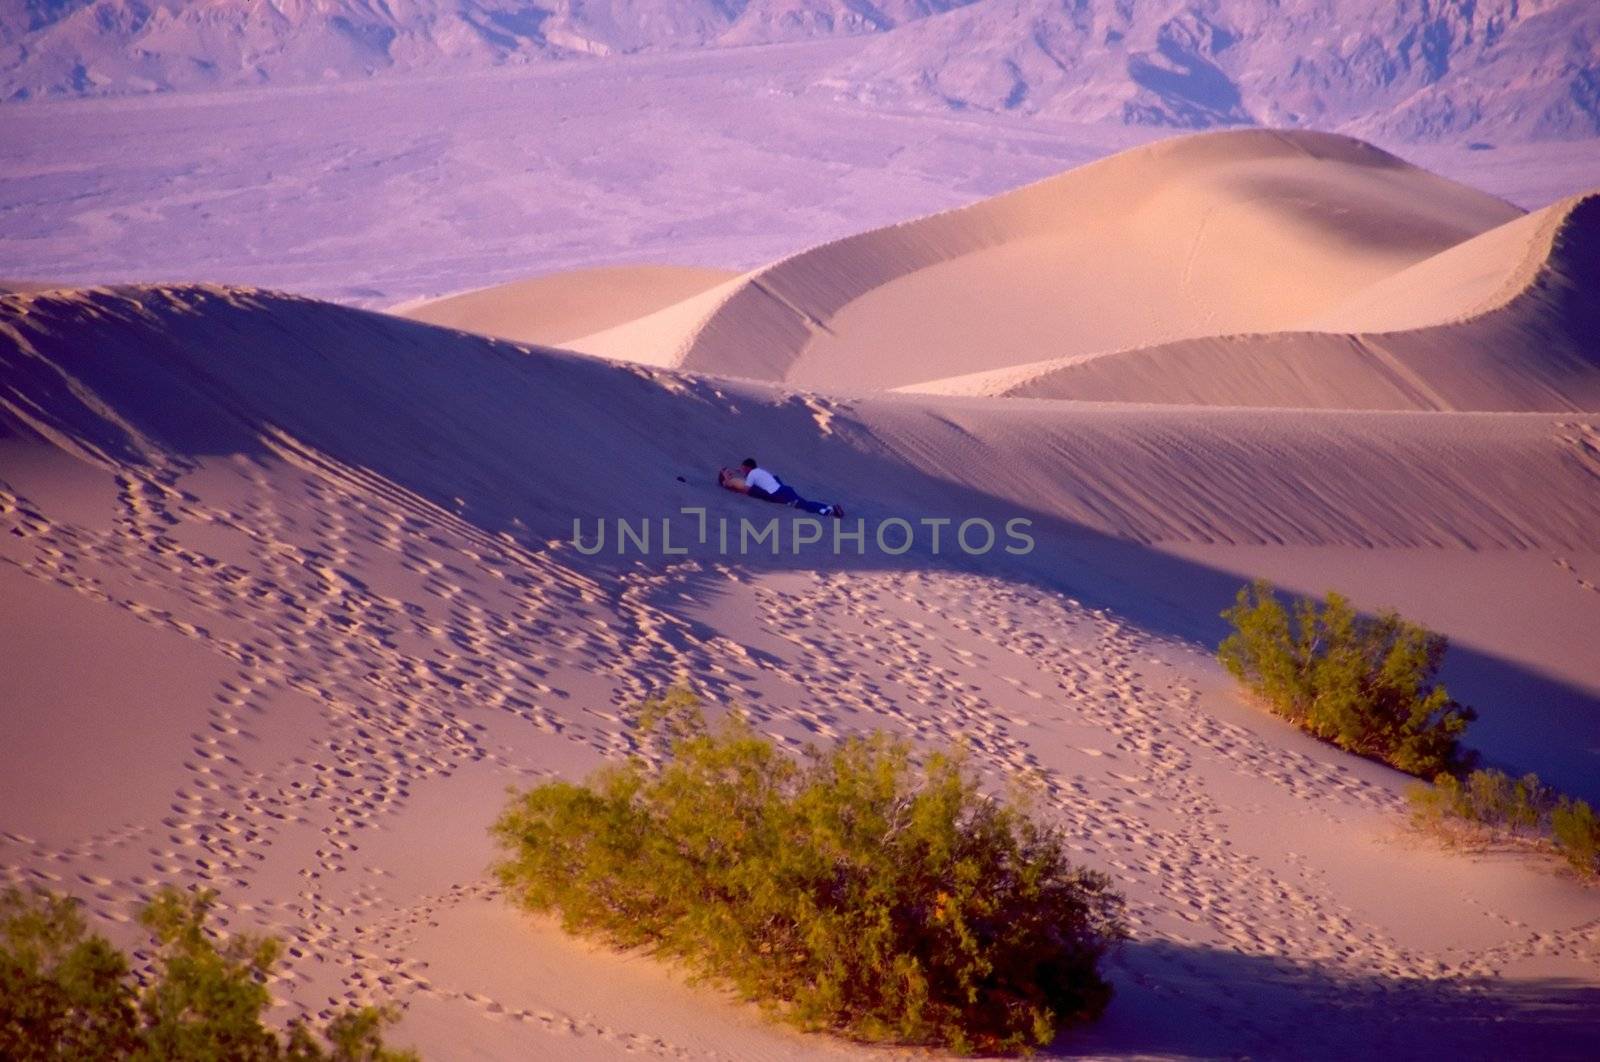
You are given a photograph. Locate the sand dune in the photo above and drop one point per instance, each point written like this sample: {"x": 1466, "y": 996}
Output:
{"x": 1203, "y": 235}
{"x": 311, "y": 569}
{"x": 563, "y": 306}
{"x": 1506, "y": 321}
{"x": 142, "y": 379}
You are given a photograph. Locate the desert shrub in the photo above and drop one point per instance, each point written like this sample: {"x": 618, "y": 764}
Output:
{"x": 63, "y": 994}
{"x": 1523, "y": 808}
{"x": 1487, "y": 796}
{"x": 1433, "y": 806}
{"x": 66, "y": 993}
{"x": 1577, "y": 834}
{"x": 1530, "y": 802}
{"x": 1365, "y": 684}
{"x": 852, "y": 890}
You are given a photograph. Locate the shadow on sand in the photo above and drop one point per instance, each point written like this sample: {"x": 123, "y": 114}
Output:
{"x": 1176, "y": 1001}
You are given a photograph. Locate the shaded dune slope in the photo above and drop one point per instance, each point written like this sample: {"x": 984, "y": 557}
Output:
{"x": 517, "y": 439}
{"x": 1218, "y": 233}
{"x": 1507, "y": 321}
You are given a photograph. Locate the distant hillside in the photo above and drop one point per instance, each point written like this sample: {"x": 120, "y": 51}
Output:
{"x": 1412, "y": 69}
{"x": 1406, "y": 69}
{"x": 91, "y": 47}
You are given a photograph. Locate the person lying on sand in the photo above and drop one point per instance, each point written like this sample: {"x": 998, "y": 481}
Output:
{"x": 750, "y": 478}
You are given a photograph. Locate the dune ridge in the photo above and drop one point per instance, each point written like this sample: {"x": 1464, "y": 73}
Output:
{"x": 560, "y": 307}
{"x": 1221, "y": 232}
{"x": 1506, "y": 321}
{"x": 142, "y": 376}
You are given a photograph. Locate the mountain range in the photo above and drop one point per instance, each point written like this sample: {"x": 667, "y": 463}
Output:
{"x": 1402, "y": 69}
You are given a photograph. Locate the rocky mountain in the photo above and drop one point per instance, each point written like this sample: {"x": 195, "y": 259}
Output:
{"x": 90, "y": 47}
{"x": 1413, "y": 69}
{"x": 1406, "y": 69}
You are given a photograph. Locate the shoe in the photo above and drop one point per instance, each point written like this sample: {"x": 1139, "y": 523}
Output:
{"x": 837, "y": 511}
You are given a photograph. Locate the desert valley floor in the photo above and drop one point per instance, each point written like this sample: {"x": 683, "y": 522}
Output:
{"x": 291, "y": 595}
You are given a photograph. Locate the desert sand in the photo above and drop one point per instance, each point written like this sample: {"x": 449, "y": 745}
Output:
{"x": 292, "y": 593}
{"x": 561, "y": 307}
{"x": 1503, "y": 321}
{"x": 390, "y": 191}
{"x": 1201, "y": 228}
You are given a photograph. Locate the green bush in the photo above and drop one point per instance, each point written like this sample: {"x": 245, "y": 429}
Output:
{"x": 1577, "y": 834}
{"x": 68, "y": 994}
{"x": 852, "y": 891}
{"x": 1365, "y": 684}
{"x": 1524, "y": 808}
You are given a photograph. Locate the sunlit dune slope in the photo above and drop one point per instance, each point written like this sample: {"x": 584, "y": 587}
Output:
{"x": 563, "y": 306}
{"x": 1507, "y": 321}
{"x": 1211, "y": 234}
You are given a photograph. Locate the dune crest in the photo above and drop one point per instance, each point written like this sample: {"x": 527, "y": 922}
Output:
{"x": 1506, "y": 321}
{"x": 1215, "y": 233}
{"x": 138, "y": 376}
{"x": 560, "y": 307}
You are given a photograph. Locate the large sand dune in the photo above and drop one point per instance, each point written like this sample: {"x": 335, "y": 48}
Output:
{"x": 1204, "y": 235}
{"x": 291, "y": 597}
{"x": 407, "y": 189}
{"x": 1506, "y": 321}
{"x": 142, "y": 377}
{"x": 561, "y": 307}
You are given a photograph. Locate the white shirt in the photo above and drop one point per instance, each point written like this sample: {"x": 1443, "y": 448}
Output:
{"x": 760, "y": 477}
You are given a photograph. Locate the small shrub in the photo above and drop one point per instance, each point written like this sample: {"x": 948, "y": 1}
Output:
{"x": 1488, "y": 797}
{"x": 1367, "y": 685}
{"x": 1524, "y": 809}
{"x": 63, "y": 994}
{"x": 850, "y": 891}
{"x": 1434, "y": 806}
{"x": 1577, "y": 834}
{"x": 68, "y": 994}
{"x": 1531, "y": 802}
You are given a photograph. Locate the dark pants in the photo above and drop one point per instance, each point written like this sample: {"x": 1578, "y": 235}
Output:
{"x": 787, "y": 495}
